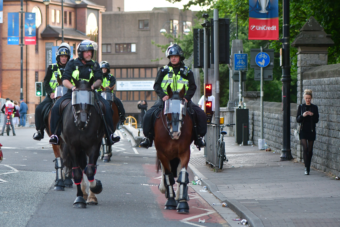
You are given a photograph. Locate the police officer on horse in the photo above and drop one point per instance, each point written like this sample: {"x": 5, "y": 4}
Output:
{"x": 81, "y": 68}
{"x": 54, "y": 72}
{"x": 177, "y": 75}
{"x": 109, "y": 81}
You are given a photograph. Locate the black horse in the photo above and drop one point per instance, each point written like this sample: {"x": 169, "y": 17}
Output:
{"x": 82, "y": 131}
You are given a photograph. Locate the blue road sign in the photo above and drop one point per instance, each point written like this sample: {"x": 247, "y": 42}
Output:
{"x": 240, "y": 62}
{"x": 262, "y": 59}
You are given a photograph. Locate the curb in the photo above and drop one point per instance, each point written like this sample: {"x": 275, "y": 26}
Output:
{"x": 233, "y": 204}
{"x": 134, "y": 140}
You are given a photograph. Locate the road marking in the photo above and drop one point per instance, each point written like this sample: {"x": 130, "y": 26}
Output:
{"x": 14, "y": 170}
{"x": 186, "y": 220}
{"x": 135, "y": 150}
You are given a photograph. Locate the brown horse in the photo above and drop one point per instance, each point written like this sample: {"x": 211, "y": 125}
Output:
{"x": 173, "y": 136}
{"x": 106, "y": 150}
{"x": 62, "y": 179}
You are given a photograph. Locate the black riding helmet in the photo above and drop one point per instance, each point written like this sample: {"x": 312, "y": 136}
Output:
{"x": 85, "y": 45}
{"x": 106, "y": 65}
{"x": 173, "y": 50}
{"x": 63, "y": 49}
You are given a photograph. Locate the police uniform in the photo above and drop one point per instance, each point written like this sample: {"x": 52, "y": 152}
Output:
{"x": 177, "y": 78}
{"x": 77, "y": 70}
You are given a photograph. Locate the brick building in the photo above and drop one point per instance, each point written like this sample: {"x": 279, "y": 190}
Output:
{"x": 81, "y": 21}
{"x": 127, "y": 46}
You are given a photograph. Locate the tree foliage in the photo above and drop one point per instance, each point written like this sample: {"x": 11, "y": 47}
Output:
{"x": 324, "y": 11}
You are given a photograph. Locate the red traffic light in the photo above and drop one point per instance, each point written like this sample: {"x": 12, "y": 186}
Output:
{"x": 208, "y": 90}
{"x": 208, "y": 107}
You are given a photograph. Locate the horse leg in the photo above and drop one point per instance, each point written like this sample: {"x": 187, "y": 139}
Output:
{"x": 79, "y": 202}
{"x": 182, "y": 188}
{"x": 68, "y": 178}
{"x": 167, "y": 182}
{"x": 59, "y": 181}
{"x": 83, "y": 189}
{"x": 108, "y": 153}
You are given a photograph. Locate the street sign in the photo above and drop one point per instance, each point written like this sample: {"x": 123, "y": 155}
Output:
{"x": 267, "y": 74}
{"x": 240, "y": 62}
{"x": 236, "y": 76}
{"x": 254, "y": 52}
{"x": 262, "y": 59}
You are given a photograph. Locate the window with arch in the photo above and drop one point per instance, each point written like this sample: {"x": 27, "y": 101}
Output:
{"x": 38, "y": 17}
{"x": 91, "y": 26}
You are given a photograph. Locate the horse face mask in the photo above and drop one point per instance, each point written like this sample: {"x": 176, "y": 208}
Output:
{"x": 175, "y": 109}
{"x": 82, "y": 100}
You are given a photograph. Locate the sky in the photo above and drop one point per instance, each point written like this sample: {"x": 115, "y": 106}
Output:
{"x": 147, "y": 5}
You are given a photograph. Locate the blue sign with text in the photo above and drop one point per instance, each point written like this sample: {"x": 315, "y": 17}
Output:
{"x": 240, "y": 62}
{"x": 262, "y": 59}
{"x": 13, "y": 29}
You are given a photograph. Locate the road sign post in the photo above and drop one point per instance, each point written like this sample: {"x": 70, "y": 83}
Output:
{"x": 240, "y": 64}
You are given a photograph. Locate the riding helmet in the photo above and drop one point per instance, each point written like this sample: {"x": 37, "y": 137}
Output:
{"x": 106, "y": 65}
{"x": 173, "y": 50}
{"x": 86, "y": 45}
{"x": 63, "y": 49}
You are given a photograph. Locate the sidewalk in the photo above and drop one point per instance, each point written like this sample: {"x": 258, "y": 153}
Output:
{"x": 267, "y": 192}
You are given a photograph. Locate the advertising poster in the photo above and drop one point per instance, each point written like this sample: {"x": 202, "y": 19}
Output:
{"x": 1, "y": 11}
{"x": 263, "y": 20}
{"x": 13, "y": 29}
{"x": 30, "y": 29}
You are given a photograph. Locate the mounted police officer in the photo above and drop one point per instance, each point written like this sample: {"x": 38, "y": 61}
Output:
{"x": 54, "y": 71}
{"x": 109, "y": 81}
{"x": 175, "y": 70}
{"x": 81, "y": 68}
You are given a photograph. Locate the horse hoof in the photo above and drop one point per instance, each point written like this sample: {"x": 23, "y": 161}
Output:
{"x": 183, "y": 211}
{"x": 59, "y": 188}
{"x": 106, "y": 159}
{"x": 79, "y": 202}
{"x": 92, "y": 201}
{"x": 170, "y": 204}
{"x": 68, "y": 183}
{"x": 98, "y": 188}
{"x": 169, "y": 208}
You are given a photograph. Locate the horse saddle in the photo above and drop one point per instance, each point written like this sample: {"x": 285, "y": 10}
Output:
{"x": 45, "y": 111}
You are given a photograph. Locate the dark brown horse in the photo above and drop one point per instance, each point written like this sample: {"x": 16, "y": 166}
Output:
{"x": 63, "y": 178}
{"x": 173, "y": 136}
{"x": 106, "y": 150}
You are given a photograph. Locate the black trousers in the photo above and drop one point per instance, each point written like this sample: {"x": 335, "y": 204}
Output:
{"x": 120, "y": 106}
{"x": 200, "y": 118}
{"x": 39, "y": 121}
{"x": 56, "y": 116}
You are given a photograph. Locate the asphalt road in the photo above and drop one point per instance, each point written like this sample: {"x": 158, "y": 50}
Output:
{"x": 130, "y": 196}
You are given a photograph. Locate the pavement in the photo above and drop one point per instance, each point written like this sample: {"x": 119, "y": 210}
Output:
{"x": 259, "y": 187}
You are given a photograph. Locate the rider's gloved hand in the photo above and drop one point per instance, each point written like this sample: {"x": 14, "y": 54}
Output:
{"x": 165, "y": 98}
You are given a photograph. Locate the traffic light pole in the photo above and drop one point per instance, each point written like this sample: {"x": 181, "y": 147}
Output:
{"x": 261, "y": 100}
{"x": 216, "y": 70}
{"x": 240, "y": 87}
{"x": 206, "y": 54}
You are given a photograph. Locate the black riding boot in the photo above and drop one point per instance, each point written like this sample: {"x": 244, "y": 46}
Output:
{"x": 146, "y": 142}
{"x": 199, "y": 141}
{"x": 38, "y": 135}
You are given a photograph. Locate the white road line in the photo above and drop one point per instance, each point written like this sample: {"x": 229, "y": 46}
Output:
{"x": 135, "y": 150}
{"x": 2, "y": 181}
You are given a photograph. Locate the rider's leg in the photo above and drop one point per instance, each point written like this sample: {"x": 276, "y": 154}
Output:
{"x": 200, "y": 125}
{"x": 12, "y": 125}
{"x": 148, "y": 127}
{"x": 108, "y": 119}
{"x": 121, "y": 109}
{"x": 3, "y": 127}
{"x": 56, "y": 118}
{"x": 39, "y": 121}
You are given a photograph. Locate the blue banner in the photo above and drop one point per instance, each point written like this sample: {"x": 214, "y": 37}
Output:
{"x": 30, "y": 29}
{"x": 13, "y": 29}
{"x": 1, "y": 9}
{"x": 54, "y": 54}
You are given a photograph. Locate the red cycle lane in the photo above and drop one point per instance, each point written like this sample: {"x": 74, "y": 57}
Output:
{"x": 199, "y": 208}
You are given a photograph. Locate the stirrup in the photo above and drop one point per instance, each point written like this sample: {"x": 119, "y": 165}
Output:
{"x": 38, "y": 135}
{"x": 54, "y": 140}
{"x": 146, "y": 143}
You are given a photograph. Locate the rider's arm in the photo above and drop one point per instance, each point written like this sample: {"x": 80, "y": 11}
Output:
{"x": 47, "y": 79}
{"x": 157, "y": 86}
{"x": 192, "y": 86}
{"x": 112, "y": 82}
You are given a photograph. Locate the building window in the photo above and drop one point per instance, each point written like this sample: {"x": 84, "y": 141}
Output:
{"x": 38, "y": 19}
{"x": 74, "y": 49}
{"x": 106, "y": 48}
{"x": 70, "y": 18}
{"x": 186, "y": 27}
{"x": 143, "y": 24}
{"x": 65, "y": 17}
{"x": 173, "y": 26}
{"x": 58, "y": 17}
{"x": 126, "y": 48}
{"x": 53, "y": 16}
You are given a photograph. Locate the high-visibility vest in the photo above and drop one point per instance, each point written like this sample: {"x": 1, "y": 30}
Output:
{"x": 55, "y": 74}
{"x": 177, "y": 82}
{"x": 106, "y": 83}
{"x": 75, "y": 75}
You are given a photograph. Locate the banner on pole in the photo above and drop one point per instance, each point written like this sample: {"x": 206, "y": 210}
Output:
{"x": 1, "y": 11}
{"x": 30, "y": 29}
{"x": 263, "y": 20}
{"x": 13, "y": 29}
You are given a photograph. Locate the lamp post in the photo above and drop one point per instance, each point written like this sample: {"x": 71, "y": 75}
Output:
{"x": 174, "y": 32}
{"x": 22, "y": 50}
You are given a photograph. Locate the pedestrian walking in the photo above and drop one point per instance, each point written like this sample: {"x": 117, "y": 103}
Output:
{"x": 307, "y": 116}
{"x": 16, "y": 118}
{"x": 143, "y": 106}
{"x": 23, "y": 112}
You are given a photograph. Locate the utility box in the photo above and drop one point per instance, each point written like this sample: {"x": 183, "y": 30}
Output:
{"x": 242, "y": 126}
{"x": 211, "y": 147}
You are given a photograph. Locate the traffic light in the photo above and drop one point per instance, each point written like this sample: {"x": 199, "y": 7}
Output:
{"x": 208, "y": 90}
{"x": 38, "y": 89}
{"x": 208, "y": 107}
{"x": 198, "y": 48}
{"x": 223, "y": 40}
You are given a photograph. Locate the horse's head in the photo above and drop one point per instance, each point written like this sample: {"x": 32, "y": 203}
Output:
{"x": 82, "y": 100}
{"x": 60, "y": 90}
{"x": 175, "y": 108}
{"x": 107, "y": 94}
